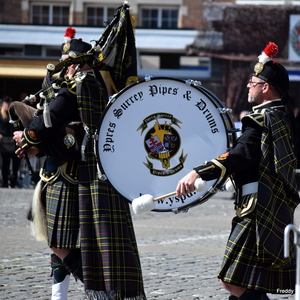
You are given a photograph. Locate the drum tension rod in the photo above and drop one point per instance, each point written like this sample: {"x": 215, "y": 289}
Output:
{"x": 193, "y": 82}
{"x": 224, "y": 110}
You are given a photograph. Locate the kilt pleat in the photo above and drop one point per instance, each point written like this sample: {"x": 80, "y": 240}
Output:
{"x": 62, "y": 214}
{"x": 242, "y": 267}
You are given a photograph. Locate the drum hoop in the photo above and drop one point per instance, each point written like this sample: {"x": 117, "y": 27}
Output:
{"x": 217, "y": 184}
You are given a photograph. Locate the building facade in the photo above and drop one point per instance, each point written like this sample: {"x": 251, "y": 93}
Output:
{"x": 32, "y": 31}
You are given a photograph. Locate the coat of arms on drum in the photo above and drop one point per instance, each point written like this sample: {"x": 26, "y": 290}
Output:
{"x": 162, "y": 142}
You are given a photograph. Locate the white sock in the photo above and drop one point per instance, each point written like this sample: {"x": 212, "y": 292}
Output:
{"x": 60, "y": 290}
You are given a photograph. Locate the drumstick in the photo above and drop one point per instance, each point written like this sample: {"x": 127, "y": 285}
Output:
{"x": 147, "y": 202}
{"x": 164, "y": 196}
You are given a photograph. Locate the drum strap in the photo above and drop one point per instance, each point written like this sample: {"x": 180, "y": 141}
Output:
{"x": 101, "y": 176}
{"x": 84, "y": 142}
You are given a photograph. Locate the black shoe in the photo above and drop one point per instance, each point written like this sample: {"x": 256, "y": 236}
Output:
{"x": 254, "y": 295}
{"x": 233, "y": 298}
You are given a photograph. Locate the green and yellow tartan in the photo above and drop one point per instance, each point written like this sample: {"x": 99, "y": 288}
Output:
{"x": 277, "y": 192}
{"x": 62, "y": 214}
{"x": 254, "y": 252}
{"x": 48, "y": 90}
{"x": 111, "y": 265}
{"x": 118, "y": 55}
{"x": 242, "y": 267}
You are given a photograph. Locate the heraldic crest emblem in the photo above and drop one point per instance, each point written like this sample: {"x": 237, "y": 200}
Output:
{"x": 162, "y": 142}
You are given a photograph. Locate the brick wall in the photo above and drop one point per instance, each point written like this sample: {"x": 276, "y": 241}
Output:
{"x": 11, "y": 12}
{"x": 193, "y": 16}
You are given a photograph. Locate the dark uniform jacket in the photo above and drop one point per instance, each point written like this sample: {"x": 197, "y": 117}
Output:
{"x": 264, "y": 154}
{"x": 52, "y": 141}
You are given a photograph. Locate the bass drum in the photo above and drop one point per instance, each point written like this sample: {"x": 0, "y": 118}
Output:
{"x": 154, "y": 132}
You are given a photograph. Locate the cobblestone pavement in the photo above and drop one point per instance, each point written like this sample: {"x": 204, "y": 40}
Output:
{"x": 180, "y": 254}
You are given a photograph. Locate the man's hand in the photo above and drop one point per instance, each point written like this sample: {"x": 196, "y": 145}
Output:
{"x": 186, "y": 184}
{"x": 18, "y": 138}
{"x": 32, "y": 151}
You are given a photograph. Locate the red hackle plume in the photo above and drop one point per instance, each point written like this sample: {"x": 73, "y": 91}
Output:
{"x": 271, "y": 49}
{"x": 70, "y": 33}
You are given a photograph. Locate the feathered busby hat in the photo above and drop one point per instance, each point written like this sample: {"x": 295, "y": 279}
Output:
{"x": 271, "y": 71}
{"x": 74, "y": 45}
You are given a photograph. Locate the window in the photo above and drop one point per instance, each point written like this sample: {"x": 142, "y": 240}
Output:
{"x": 150, "y": 18}
{"x": 32, "y": 50}
{"x": 50, "y": 14}
{"x": 11, "y": 51}
{"x": 149, "y": 62}
{"x": 194, "y": 63}
{"x": 52, "y": 52}
{"x": 99, "y": 15}
{"x": 169, "y": 18}
{"x": 175, "y": 61}
{"x": 173, "y": 65}
{"x": 162, "y": 17}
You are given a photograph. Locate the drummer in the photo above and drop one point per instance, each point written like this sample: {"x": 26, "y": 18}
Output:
{"x": 262, "y": 164}
{"x": 89, "y": 226}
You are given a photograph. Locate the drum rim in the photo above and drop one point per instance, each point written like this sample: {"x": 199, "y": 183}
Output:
{"x": 214, "y": 188}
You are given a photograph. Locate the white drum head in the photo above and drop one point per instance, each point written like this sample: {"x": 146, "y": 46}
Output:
{"x": 154, "y": 132}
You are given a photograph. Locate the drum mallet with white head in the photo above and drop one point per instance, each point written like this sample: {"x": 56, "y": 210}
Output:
{"x": 146, "y": 202}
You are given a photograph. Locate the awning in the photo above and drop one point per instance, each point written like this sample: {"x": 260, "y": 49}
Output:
{"x": 22, "y": 72}
{"x": 23, "y": 68}
{"x": 146, "y": 39}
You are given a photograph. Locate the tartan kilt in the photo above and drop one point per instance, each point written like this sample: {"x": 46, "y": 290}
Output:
{"x": 241, "y": 266}
{"x": 110, "y": 259}
{"x": 62, "y": 214}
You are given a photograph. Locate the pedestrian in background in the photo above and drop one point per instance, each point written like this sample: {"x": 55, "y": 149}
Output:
{"x": 238, "y": 125}
{"x": 10, "y": 163}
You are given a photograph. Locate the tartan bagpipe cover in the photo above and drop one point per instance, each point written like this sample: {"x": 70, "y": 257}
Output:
{"x": 118, "y": 50}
